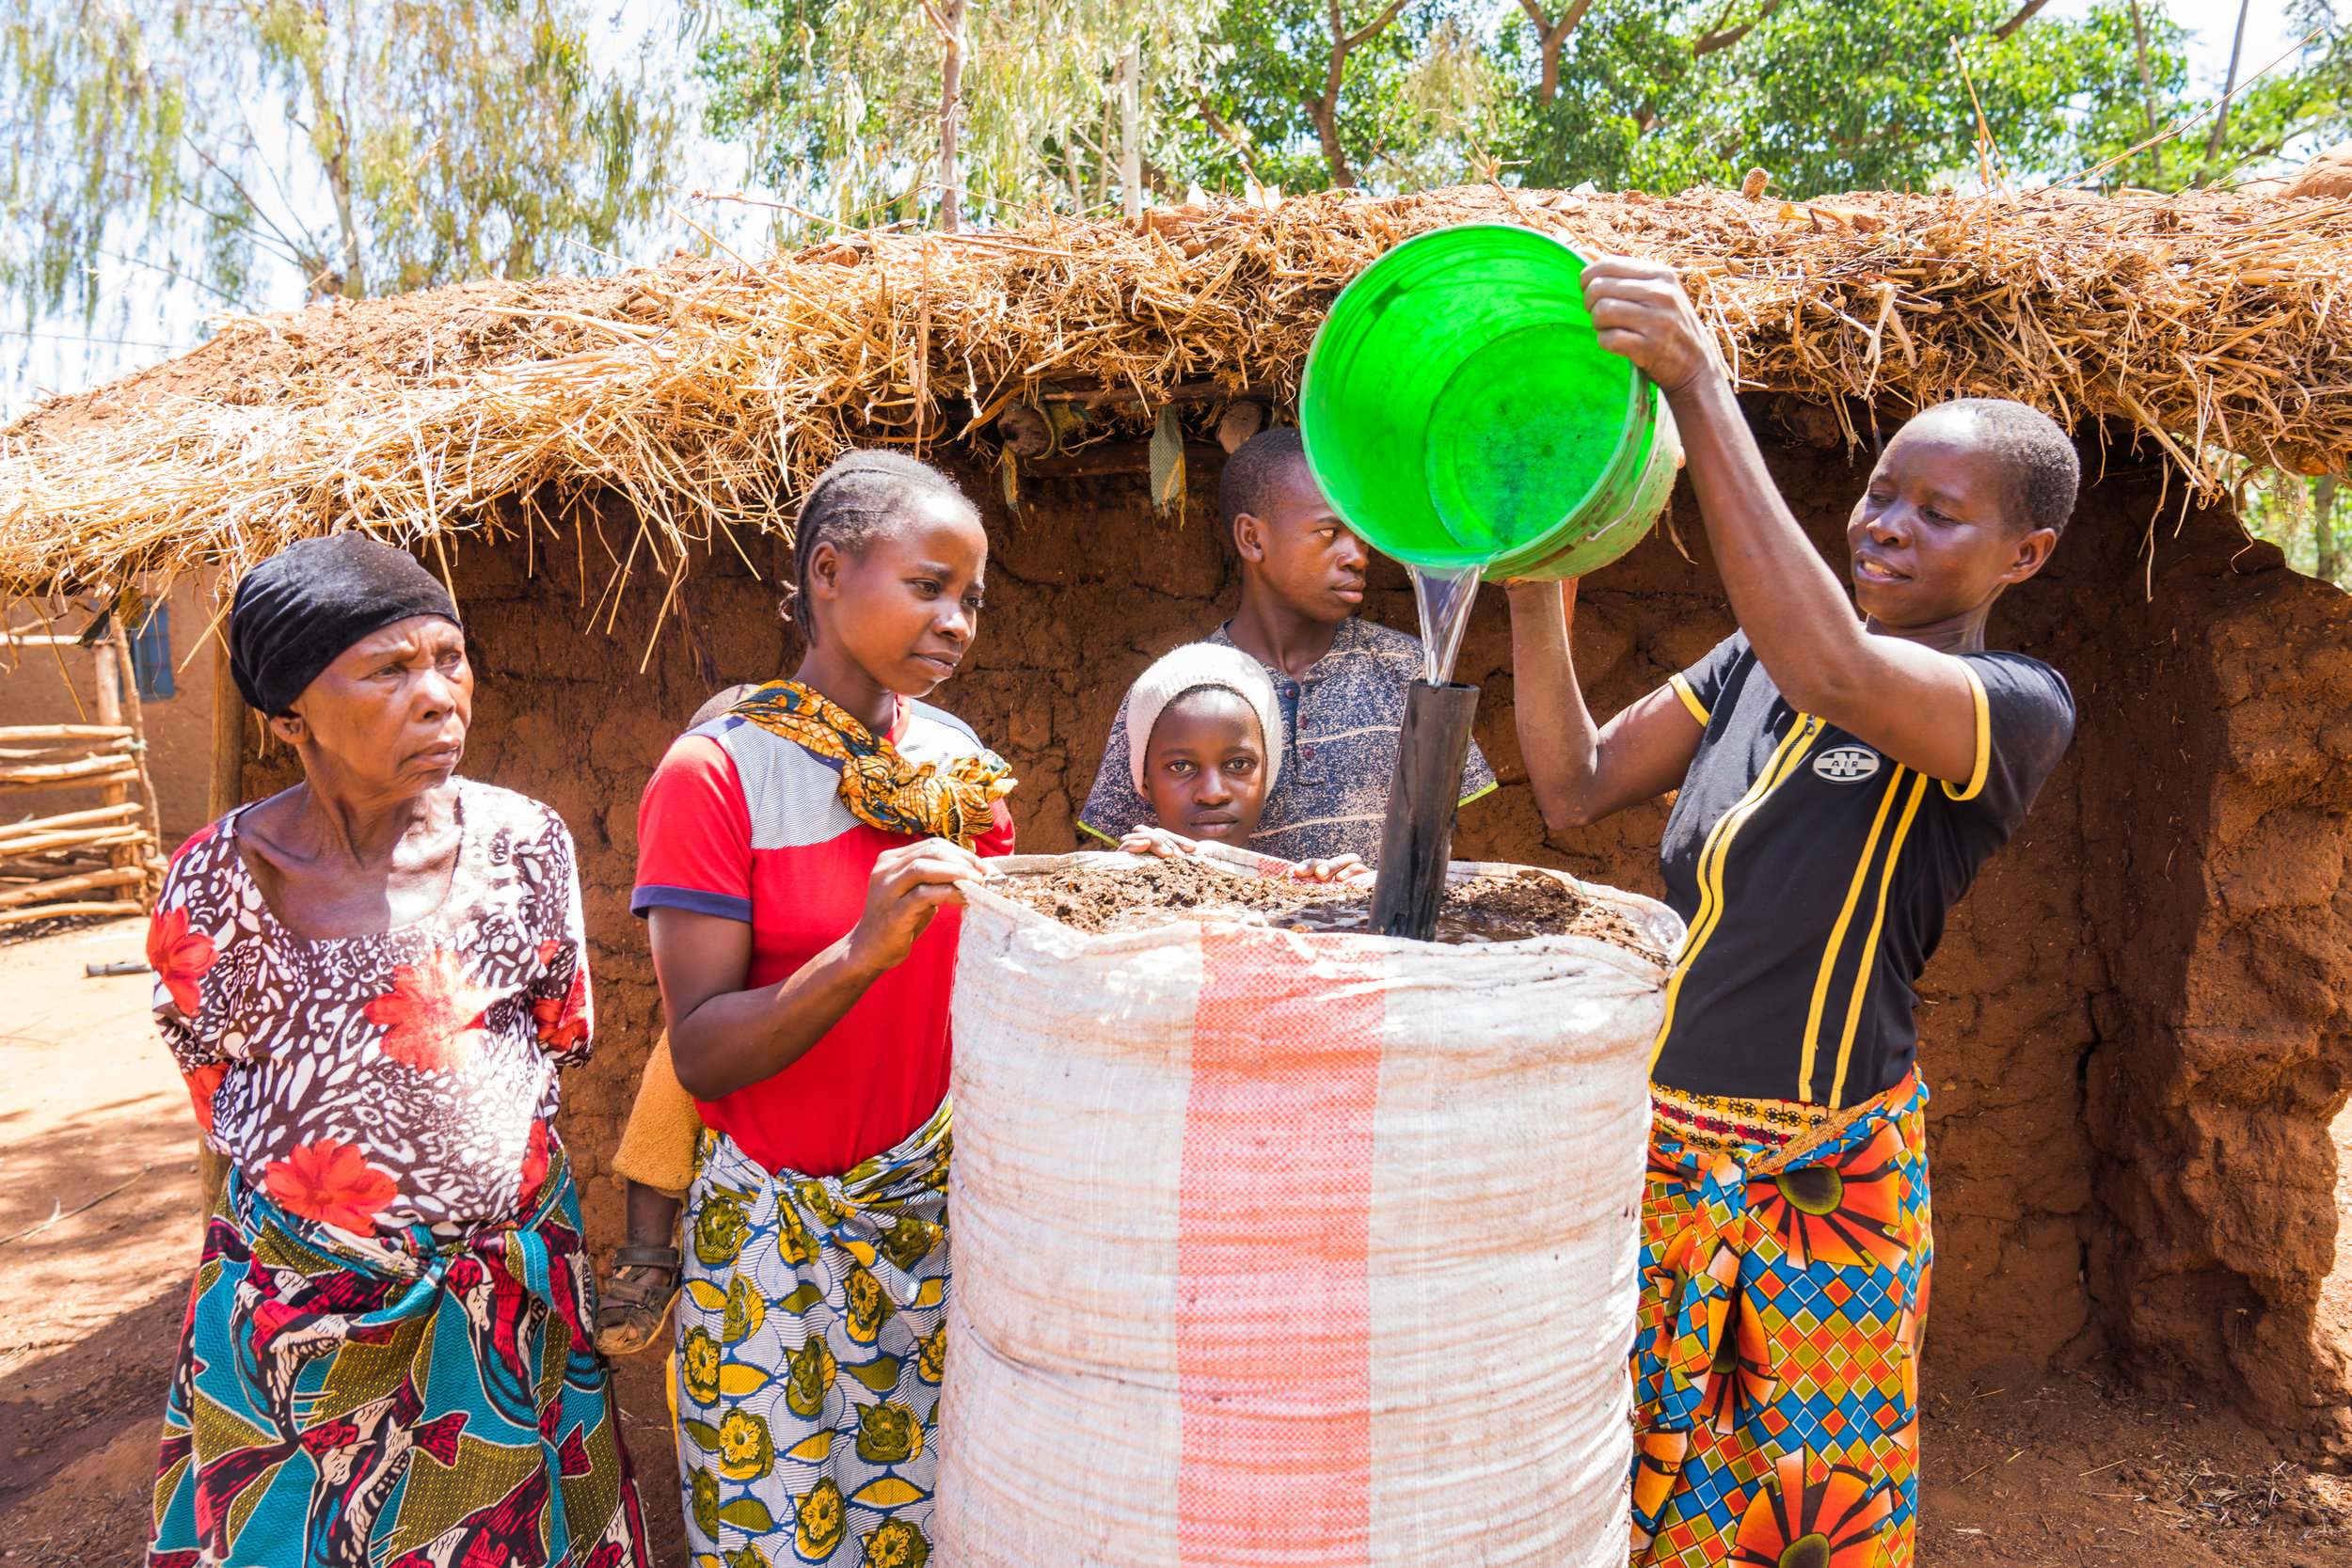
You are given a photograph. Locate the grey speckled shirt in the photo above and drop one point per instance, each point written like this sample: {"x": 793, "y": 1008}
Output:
{"x": 1338, "y": 758}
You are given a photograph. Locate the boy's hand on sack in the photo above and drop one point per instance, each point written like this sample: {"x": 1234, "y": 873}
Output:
{"x": 1339, "y": 868}
{"x": 907, "y": 888}
{"x": 1640, "y": 311}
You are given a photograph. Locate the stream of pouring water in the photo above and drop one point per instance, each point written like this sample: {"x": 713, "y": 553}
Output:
{"x": 1444, "y": 598}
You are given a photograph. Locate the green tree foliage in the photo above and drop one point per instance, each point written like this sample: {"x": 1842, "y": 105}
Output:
{"x": 374, "y": 145}
{"x": 2302, "y": 517}
{"x": 841, "y": 101}
{"x": 1314, "y": 93}
{"x": 2305, "y": 106}
{"x": 1869, "y": 94}
{"x": 1827, "y": 95}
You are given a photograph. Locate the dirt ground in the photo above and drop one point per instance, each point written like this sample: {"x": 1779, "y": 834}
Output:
{"x": 2023, "y": 1467}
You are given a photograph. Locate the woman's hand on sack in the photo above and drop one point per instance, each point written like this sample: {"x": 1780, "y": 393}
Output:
{"x": 1160, "y": 842}
{"x": 1339, "y": 868}
{"x": 907, "y": 888}
{"x": 1640, "y": 309}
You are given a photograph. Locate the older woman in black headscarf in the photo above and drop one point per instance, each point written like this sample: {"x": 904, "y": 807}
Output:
{"x": 371, "y": 981}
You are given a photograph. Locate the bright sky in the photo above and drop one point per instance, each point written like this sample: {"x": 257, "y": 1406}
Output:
{"x": 148, "y": 316}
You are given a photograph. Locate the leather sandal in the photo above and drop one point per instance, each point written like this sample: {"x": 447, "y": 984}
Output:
{"x": 636, "y": 1301}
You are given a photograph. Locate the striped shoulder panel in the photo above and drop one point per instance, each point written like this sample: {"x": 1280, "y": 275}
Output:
{"x": 793, "y": 795}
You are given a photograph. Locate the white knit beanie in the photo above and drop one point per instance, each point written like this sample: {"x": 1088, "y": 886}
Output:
{"x": 1190, "y": 668}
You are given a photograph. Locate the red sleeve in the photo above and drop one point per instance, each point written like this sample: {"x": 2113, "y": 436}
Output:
{"x": 695, "y": 835}
{"x": 997, "y": 840}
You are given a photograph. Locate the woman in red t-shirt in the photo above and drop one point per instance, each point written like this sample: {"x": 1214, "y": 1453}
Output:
{"x": 798, "y": 860}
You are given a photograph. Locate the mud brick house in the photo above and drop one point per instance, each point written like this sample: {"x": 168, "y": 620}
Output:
{"x": 2137, "y": 1029}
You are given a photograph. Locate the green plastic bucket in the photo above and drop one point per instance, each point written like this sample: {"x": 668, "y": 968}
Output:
{"x": 1465, "y": 360}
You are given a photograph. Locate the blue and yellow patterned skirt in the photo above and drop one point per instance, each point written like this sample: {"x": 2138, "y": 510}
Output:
{"x": 1785, "y": 1260}
{"x": 812, "y": 1341}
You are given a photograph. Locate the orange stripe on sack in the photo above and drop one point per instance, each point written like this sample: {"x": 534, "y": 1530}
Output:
{"x": 1274, "y": 1311}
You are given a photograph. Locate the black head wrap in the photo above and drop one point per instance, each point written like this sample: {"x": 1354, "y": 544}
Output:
{"x": 296, "y": 612}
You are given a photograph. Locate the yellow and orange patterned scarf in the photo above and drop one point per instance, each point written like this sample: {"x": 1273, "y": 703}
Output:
{"x": 882, "y": 788}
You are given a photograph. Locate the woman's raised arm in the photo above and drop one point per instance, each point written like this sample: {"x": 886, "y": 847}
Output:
{"x": 1580, "y": 772}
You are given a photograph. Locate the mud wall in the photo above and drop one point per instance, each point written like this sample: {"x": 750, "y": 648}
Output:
{"x": 2135, "y": 1029}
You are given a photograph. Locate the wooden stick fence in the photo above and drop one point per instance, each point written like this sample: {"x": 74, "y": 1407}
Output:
{"x": 100, "y": 861}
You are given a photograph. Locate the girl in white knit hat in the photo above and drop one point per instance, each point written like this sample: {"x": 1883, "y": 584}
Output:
{"x": 1201, "y": 717}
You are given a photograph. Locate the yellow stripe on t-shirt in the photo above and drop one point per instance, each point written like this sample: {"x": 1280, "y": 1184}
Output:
{"x": 1984, "y": 737}
{"x": 1838, "y": 938}
{"x": 1712, "y": 854}
{"x": 1871, "y": 947}
{"x": 1690, "y": 698}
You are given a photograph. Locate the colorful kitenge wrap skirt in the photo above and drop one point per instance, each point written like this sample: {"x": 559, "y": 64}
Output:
{"x": 1785, "y": 1255}
{"x": 415, "y": 1403}
{"x": 812, "y": 1340}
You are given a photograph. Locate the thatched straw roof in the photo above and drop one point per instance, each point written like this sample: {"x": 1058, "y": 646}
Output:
{"x": 707, "y": 392}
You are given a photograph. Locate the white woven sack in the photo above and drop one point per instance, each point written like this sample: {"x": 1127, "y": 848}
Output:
{"x": 1293, "y": 1250}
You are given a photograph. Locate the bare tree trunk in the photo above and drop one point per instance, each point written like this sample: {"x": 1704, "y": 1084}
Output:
{"x": 330, "y": 134}
{"x": 1723, "y": 38}
{"x": 2019, "y": 17}
{"x": 2147, "y": 87}
{"x": 110, "y": 664}
{"x": 1550, "y": 38}
{"x": 134, "y": 710}
{"x": 227, "y": 791}
{"x": 951, "y": 107}
{"x": 1326, "y": 119}
{"x": 1131, "y": 132}
{"x": 2324, "y": 528}
{"x": 1102, "y": 161}
{"x": 2229, "y": 86}
{"x": 1233, "y": 138}
{"x": 1325, "y": 111}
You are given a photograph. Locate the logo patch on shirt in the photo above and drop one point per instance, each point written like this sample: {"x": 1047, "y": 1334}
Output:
{"x": 1847, "y": 764}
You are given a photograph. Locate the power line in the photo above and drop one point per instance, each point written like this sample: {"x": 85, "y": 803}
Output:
{"x": 90, "y": 338}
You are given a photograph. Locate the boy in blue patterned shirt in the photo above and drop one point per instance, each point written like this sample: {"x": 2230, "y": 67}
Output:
{"x": 1341, "y": 680}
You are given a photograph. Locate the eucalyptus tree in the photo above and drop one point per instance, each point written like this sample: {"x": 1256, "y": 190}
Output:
{"x": 373, "y": 146}
{"x": 886, "y": 109}
{"x": 1342, "y": 93}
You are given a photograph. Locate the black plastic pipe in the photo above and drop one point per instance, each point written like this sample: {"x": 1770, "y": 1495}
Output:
{"x": 1417, "y": 840}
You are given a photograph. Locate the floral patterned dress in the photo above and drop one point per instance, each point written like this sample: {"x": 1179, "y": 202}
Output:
{"x": 386, "y": 1361}
{"x": 378, "y": 1082}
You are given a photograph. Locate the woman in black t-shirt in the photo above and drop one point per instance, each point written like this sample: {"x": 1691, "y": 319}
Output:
{"x": 1840, "y": 779}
